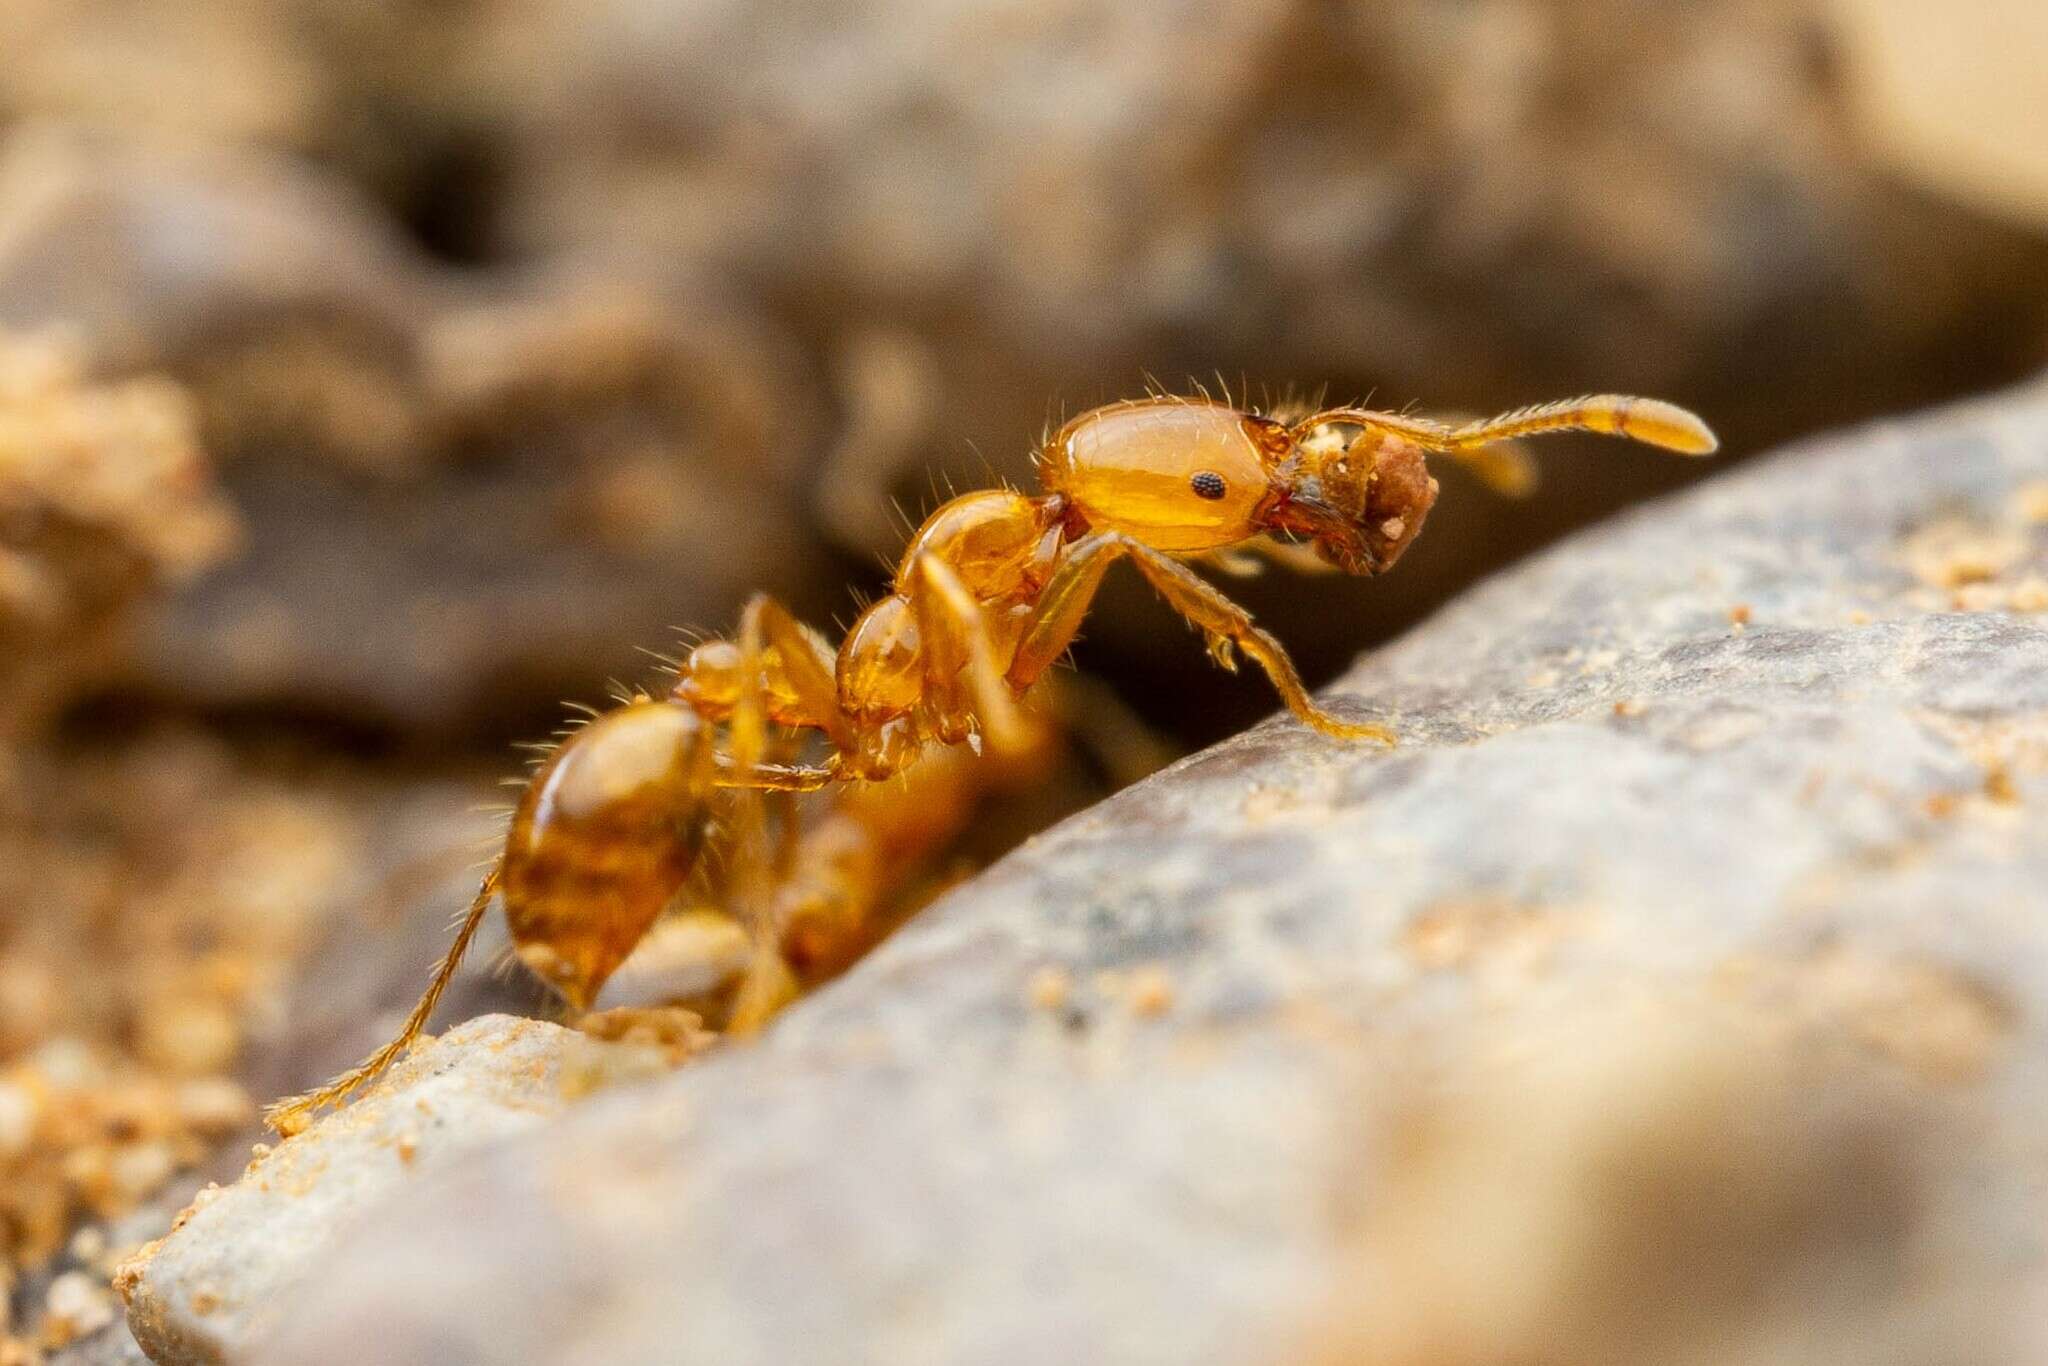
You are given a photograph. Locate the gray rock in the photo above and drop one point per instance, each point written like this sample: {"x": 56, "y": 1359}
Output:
{"x": 150, "y": 253}
{"x": 197, "y": 1294}
{"x": 464, "y": 498}
{"x": 1673, "y": 993}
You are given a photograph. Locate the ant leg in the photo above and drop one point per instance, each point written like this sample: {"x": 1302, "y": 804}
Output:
{"x": 857, "y": 867}
{"x": 1227, "y": 625}
{"x": 958, "y": 643}
{"x": 807, "y": 666}
{"x": 291, "y": 1115}
{"x": 1506, "y": 467}
{"x": 795, "y": 672}
{"x": 768, "y": 984}
{"x": 1248, "y": 559}
{"x": 1065, "y": 602}
{"x": 796, "y": 688}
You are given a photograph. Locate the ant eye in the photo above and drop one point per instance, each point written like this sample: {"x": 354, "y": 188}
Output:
{"x": 1207, "y": 484}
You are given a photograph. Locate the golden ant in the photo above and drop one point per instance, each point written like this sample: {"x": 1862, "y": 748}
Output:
{"x": 989, "y": 594}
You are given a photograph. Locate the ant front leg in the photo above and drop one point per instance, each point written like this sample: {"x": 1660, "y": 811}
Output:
{"x": 1228, "y": 624}
{"x": 1065, "y": 601}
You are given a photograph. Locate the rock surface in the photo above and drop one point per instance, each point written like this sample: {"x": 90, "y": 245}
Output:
{"x": 1693, "y": 938}
{"x": 200, "y": 1292}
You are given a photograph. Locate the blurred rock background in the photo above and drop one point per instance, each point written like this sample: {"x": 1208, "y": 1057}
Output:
{"x": 379, "y": 376}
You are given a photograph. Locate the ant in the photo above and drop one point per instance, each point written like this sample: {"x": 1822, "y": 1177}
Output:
{"x": 989, "y": 595}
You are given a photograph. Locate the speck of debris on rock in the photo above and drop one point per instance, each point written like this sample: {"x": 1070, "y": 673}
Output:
{"x": 1049, "y": 987}
{"x": 628, "y": 1044}
{"x": 1150, "y": 991}
{"x": 677, "y": 1031}
{"x": 1954, "y": 552}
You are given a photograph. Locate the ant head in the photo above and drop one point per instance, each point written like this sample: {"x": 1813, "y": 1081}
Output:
{"x": 1187, "y": 476}
{"x": 1359, "y": 496}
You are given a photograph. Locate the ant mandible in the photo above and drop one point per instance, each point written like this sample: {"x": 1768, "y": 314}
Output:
{"x": 989, "y": 594}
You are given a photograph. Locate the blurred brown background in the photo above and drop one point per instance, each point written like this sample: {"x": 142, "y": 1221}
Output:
{"x": 524, "y": 332}
{"x": 378, "y": 376}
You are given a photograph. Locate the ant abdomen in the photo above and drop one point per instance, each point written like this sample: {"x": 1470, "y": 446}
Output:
{"x": 604, "y": 837}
